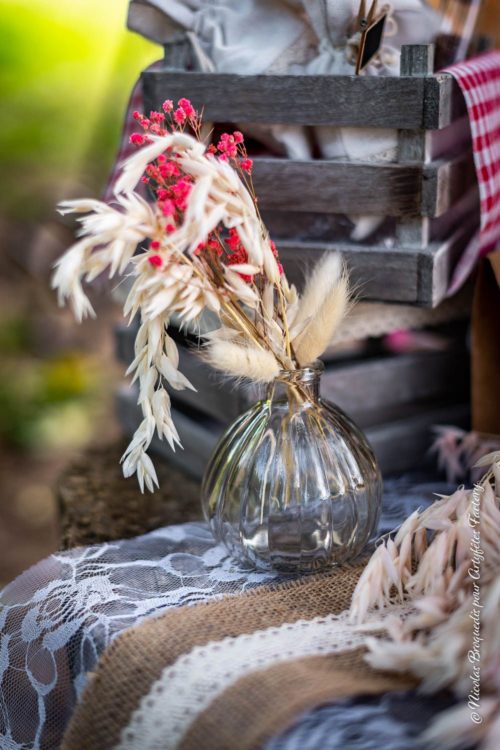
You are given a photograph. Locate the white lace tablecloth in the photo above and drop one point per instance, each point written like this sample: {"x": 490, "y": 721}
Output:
{"x": 57, "y": 618}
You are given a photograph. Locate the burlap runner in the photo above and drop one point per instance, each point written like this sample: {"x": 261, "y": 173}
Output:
{"x": 265, "y": 700}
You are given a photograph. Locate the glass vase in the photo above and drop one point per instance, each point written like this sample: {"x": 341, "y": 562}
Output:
{"x": 293, "y": 484}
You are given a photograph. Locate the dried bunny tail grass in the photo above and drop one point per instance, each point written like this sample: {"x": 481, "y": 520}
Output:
{"x": 319, "y": 333}
{"x": 321, "y": 309}
{"x": 326, "y": 273}
{"x": 242, "y": 360}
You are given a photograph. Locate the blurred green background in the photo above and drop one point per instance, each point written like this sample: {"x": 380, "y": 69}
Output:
{"x": 66, "y": 72}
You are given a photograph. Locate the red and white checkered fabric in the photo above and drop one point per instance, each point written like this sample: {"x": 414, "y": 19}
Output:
{"x": 479, "y": 80}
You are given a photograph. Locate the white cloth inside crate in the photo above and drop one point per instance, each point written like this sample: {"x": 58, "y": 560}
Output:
{"x": 243, "y": 36}
{"x": 295, "y": 36}
{"x": 409, "y": 22}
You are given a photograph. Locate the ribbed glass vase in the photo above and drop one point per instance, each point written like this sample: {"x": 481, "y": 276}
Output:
{"x": 293, "y": 484}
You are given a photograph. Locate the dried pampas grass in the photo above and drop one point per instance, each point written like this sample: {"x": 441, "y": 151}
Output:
{"x": 242, "y": 360}
{"x": 321, "y": 308}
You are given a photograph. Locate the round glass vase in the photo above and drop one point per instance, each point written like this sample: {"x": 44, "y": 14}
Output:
{"x": 293, "y": 484}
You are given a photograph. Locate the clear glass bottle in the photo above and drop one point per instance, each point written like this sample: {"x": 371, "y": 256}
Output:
{"x": 293, "y": 484}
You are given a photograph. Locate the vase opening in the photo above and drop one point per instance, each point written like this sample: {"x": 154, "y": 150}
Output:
{"x": 297, "y": 385}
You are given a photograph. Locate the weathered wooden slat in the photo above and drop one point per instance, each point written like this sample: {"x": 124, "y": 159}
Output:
{"x": 445, "y": 182}
{"x": 454, "y": 139}
{"x": 340, "y": 186}
{"x": 323, "y": 227}
{"x": 395, "y": 189}
{"x": 418, "y": 276}
{"x": 378, "y": 273}
{"x": 373, "y": 390}
{"x": 465, "y": 209}
{"x": 403, "y": 444}
{"x": 443, "y": 101}
{"x": 417, "y": 61}
{"x": 399, "y": 444}
{"x": 356, "y": 101}
{"x": 310, "y": 226}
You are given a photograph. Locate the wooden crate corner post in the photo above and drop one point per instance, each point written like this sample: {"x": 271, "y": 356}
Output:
{"x": 413, "y": 145}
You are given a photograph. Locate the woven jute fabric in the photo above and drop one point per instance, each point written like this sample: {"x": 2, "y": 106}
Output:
{"x": 267, "y": 701}
{"x": 137, "y": 658}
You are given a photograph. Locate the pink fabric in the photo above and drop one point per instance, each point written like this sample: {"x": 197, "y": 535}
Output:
{"x": 126, "y": 149}
{"x": 479, "y": 80}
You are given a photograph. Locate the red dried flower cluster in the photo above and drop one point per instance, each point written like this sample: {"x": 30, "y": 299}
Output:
{"x": 171, "y": 187}
{"x": 155, "y": 260}
{"x": 237, "y": 253}
{"x": 232, "y": 148}
{"x": 159, "y": 123}
{"x": 164, "y": 176}
{"x": 275, "y": 253}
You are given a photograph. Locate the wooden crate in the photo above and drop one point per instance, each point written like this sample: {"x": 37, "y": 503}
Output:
{"x": 429, "y": 196}
{"x": 431, "y": 199}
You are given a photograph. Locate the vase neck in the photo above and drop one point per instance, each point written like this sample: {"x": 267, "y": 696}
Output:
{"x": 297, "y": 385}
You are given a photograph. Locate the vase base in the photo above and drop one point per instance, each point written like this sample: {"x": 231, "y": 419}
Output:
{"x": 299, "y": 539}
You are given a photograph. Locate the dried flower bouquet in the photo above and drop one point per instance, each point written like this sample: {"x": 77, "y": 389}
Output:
{"x": 205, "y": 248}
